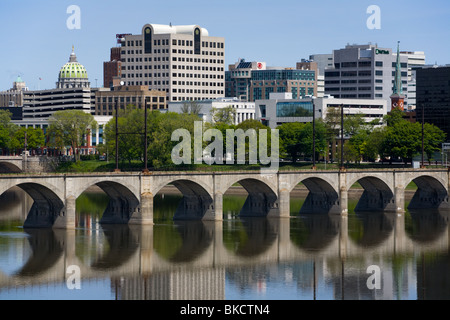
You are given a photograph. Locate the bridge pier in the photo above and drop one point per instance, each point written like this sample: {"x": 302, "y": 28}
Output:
{"x": 343, "y": 201}
{"x": 144, "y": 213}
{"x": 66, "y": 217}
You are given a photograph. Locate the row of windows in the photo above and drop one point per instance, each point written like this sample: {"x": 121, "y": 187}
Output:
{"x": 197, "y": 83}
{"x": 198, "y": 91}
{"x": 130, "y": 99}
{"x": 331, "y": 74}
{"x": 175, "y": 75}
{"x": 175, "y": 42}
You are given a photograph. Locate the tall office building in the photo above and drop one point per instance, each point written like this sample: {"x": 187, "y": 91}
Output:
{"x": 416, "y": 60}
{"x": 112, "y": 68}
{"x": 365, "y": 72}
{"x": 14, "y": 96}
{"x": 254, "y": 80}
{"x": 184, "y": 61}
{"x": 433, "y": 97}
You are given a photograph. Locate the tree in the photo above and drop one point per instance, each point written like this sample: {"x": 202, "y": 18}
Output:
{"x": 290, "y": 139}
{"x": 191, "y": 107}
{"x": 72, "y": 126}
{"x": 224, "y": 115}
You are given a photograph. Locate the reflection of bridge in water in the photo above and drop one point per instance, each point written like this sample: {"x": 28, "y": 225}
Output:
{"x": 133, "y": 255}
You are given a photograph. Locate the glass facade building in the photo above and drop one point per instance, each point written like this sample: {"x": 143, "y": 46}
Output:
{"x": 294, "y": 109}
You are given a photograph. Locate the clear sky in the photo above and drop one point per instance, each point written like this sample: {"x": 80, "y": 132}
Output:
{"x": 36, "y": 41}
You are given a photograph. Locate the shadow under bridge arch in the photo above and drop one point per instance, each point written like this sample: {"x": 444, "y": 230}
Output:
{"x": 430, "y": 194}
{"x": 261, "y": 201}
{"x": 122, "y": 204}
{"x": 46, "y": 208}
{"x": 377, "y": 196}
{"x": 322, "y": 198}
{"x": 196, "y": 204}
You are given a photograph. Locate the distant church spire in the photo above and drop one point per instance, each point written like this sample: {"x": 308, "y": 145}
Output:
{"x": 398, "y": 88}
{"x": 397, "y": 97}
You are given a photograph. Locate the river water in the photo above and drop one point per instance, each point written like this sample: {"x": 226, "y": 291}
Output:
{"x": 364, "y": 256}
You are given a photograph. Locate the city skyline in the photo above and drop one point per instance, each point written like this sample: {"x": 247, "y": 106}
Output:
{"x": 279, "y": 34}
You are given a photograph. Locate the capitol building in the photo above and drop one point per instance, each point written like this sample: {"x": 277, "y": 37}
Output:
{"x": 72, "y": 92}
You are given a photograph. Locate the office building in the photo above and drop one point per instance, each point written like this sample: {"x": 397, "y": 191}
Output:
{"x": 365, "y": 72}
{"x": 183, "y": 61}
{"x": 282, "y": 108}
{"x": 254, "y": 80}
{"x": 244, "y": 110}
{"x": 433, "y": 97}
{"x": 138, "y": 96}
{"x": 14, "y": 96}
{"x": 112, "y": 68}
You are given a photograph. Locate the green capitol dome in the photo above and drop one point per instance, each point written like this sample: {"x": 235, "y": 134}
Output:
{"x": 73, "y": 74}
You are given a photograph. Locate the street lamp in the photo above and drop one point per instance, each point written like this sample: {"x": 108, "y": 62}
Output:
{"x": 342, "y": 138}
{"x": 145, "y": 140}
{"x": 422, "y": 166}
{"x": 314, "y": 134}
{"x": 117, "y": 136}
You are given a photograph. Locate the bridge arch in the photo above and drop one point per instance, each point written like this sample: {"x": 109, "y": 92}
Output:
{"x": 322, "y": 198}
{"x": 378, "y": 194}
{"x": 47, "y": 204}
{"x": 197, "y": 201}
{"x": 8, "y": 167}
{"x": 431, "y": 193}
{"x": 124, "y": 200}
{"x": 262, "y": 199}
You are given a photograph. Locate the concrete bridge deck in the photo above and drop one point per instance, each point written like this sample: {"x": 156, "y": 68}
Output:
{"x": 131, "y": 194}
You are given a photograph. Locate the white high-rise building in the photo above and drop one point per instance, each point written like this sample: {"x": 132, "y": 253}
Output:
{"x": 184, "y": 61}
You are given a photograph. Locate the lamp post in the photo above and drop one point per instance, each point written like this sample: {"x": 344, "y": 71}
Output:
{"x": 422, "y": 165}
{"x": 342, "y": 138}
{"x": 117, "y": 136}
{"x": 145, "y": 139}
{"x": 314, "y": 134}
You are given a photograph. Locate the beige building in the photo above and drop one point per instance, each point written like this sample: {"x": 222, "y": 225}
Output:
{"x": 105, "y": 99}
{"x": 14, "y": 96}
{"x": 183, "y": 61}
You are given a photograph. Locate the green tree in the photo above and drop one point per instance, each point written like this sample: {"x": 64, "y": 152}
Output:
{"x": 191, "y": 107}
{"x": 72, "y": 126}
{"x": 290, "y": 139}
{"x": 224, "y": 115}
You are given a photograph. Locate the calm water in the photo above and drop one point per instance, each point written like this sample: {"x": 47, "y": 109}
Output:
{"x": 303, "y": 258}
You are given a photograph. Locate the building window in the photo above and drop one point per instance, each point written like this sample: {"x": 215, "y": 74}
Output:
{"x": 148, "y": 40}
{"x": 294, "y": 109}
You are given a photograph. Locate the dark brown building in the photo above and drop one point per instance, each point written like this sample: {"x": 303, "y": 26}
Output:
{"x": 112, "y": 68}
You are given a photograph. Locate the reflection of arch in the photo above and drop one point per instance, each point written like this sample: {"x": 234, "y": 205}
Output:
{"x": 373, "y": 230}
{"x": 430, "y": 194}
{"x": 377, "y": 195}
{"x": 196, "y": 201}
{"x": 122, "y": 246}
{"x": 322, "y": 197}
{"x": 261, "y": 198}
{"x": 7, "y": 167}
{"x": 256, "y": 236}
{"x": 46, "y": 249}
{"x": 316, "y": 231}
{"x": 196, "y": 237}
{"x": 427, "y": 225}
{"x": 46, "y": 208}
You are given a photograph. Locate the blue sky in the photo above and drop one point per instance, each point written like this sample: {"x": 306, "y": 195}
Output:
{"x": 36, "y": 41}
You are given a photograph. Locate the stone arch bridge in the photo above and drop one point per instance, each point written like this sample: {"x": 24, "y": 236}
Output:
{"x": 131, "y": 194}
